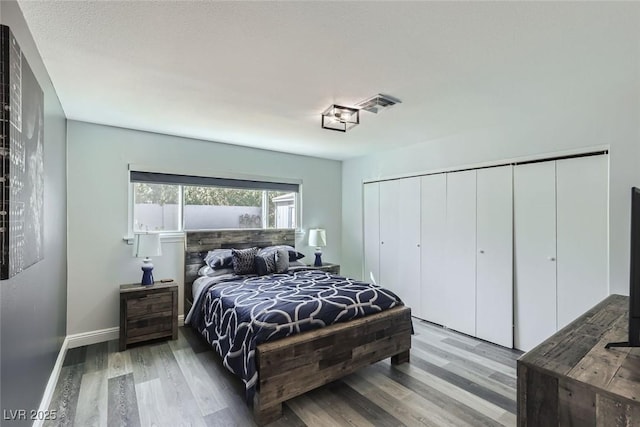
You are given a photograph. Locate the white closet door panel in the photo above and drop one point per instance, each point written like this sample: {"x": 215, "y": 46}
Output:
{"x": 389, "y": 224}
{"x": 408, "y": 279}
{"x": 460, "y": 252}
{"x": 399, "y": 239}
{"x": 534, "y": 253}
{"x": 494, "y": 275}
{"x": 582, "y": 198}
{"x": 433, "y": 189}
{"x": 371, "y": 213}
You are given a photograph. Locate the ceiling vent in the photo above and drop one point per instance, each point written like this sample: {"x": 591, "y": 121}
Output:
{"x": 377, "y": 103}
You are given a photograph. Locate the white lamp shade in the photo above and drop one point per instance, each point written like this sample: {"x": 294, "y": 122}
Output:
{"x": 146, "y": 245}
{"x": 317, "y": 237}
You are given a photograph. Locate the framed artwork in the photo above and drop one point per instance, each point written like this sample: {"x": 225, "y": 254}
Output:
{"x": 22, "y": 161}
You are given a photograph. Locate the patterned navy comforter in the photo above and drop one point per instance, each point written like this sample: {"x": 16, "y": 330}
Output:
{"x": 236, "y": 314}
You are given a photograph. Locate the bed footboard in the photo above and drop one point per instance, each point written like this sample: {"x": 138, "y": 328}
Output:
{"x": 294, "y": 365}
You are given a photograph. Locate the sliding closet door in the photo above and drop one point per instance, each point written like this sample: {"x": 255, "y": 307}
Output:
{"x": 582, "y": 199}
{"x": 460, "y": 252}
{"x": 494, "y": 271}
{"x": 433, "y": 210}
{"x": 534, "y": 253}
{"x": 400, "y": 239}
{"x": 389, "y": 220}
{"x": 371, "y": 214}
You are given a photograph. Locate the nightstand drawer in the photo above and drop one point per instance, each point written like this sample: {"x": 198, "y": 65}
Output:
{"x": 136, "y": 328}
{"x": 152, "y": 303}
{"x": 151, "y": 315}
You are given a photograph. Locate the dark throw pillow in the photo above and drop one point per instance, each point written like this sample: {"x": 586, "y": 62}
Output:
{"x": 243, "y": 260}
{"x": 219, "y": 258}
{"x": 265, "y": 264}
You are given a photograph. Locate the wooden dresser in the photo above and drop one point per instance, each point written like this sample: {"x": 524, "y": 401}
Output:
{"x": 148, "y": 312}
{"x": 572, "y": 380}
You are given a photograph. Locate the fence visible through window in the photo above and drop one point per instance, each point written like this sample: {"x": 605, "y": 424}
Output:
{"x": 174, "y": 207}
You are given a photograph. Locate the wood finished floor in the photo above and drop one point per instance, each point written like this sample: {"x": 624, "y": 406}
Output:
{"x": 452, "y": 380}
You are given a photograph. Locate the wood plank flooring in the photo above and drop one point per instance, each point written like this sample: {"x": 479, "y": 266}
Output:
{"x": 452, "y": 380}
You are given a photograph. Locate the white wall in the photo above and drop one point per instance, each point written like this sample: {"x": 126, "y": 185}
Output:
{"x": 592, "y": 98}
{"x": 99, "y": 259}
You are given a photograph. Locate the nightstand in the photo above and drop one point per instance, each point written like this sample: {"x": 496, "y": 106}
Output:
{"x": 148, "y": 312}
{"x": 329, "y": 268}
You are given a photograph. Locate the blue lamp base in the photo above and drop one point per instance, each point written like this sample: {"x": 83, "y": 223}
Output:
{"x": 318, "y": 262}
{"x": 147, "y": 273}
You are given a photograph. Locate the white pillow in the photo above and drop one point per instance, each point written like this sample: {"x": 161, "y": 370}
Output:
{"x": 205, "y": 270}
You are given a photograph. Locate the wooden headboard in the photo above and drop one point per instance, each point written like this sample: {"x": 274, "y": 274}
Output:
{"x": 198, "y": 243}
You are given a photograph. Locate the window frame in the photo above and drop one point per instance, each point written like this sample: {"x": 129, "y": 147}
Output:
{"x": 179, "y": 234}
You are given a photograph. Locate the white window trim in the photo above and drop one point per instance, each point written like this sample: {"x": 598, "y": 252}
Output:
{"x": 166, "y": 237}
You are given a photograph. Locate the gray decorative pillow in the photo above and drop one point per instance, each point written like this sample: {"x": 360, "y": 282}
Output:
{"x": 293, "y": 254}
{"x": 270, "y": 261}
{"x": 281, "y": 258}
{"x": 243, "y": 260}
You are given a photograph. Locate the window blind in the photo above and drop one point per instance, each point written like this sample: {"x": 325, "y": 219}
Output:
{"x": 203, "y": 181}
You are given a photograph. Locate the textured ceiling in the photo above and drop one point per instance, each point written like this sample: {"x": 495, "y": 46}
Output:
{"x": 260, "y": 73}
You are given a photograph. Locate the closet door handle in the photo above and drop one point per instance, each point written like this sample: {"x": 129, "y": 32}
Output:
{"x": 481, "y": 251}
{"x": 551, "y": 258}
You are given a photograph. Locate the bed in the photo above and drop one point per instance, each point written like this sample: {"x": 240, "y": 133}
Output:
{"x": 288, "y": 366}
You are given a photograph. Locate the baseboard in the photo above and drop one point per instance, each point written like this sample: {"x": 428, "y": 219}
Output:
{"x": 53, "y": 380}
{"x": 101, "y": 335}
{"x": 73, "y": 341}
{"x": 93, "y": 337}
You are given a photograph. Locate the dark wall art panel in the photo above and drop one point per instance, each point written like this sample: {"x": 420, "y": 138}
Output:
{"x": 22, "y": 154}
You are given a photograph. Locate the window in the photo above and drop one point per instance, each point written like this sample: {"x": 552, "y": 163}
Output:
{"x": 156, "y": 207}
{"x": 164, "y": 202}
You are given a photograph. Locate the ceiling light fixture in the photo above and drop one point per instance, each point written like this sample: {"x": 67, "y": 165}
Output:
{"x": 340, "y": 118}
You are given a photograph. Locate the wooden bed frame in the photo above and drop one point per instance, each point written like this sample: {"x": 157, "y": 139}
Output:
{"x": 294, "y": 365}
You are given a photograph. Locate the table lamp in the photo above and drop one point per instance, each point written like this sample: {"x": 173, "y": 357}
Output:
{"x": 144, "y": 246}
{"x": 318, "y": 238}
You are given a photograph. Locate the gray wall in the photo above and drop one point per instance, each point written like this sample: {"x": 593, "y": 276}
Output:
{"x": 33, "y": 304}
{"x": 98, "y": 213}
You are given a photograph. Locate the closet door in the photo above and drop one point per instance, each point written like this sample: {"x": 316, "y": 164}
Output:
{"x": 494, "y": 268}
{"x": 582, "y": 199}
{"x": 534, "y": 253}
{"x": 389, "y": 217}
{"x": 460, "y": 252}
{"x": 371, "y": 213}
{"x": 400, "y": 240}
{"x": 433, "y": 189}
